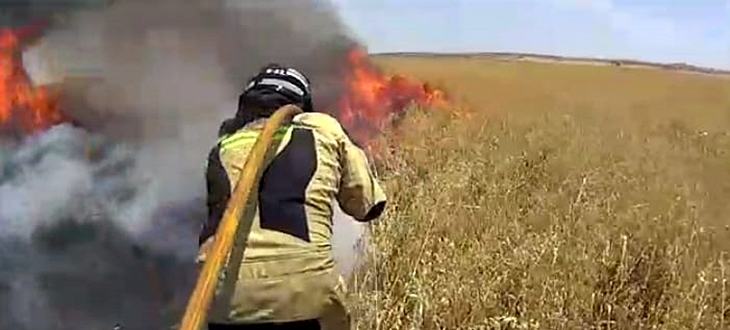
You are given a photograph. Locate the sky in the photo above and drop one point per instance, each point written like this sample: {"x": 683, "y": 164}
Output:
{"x": 690, "y": 31}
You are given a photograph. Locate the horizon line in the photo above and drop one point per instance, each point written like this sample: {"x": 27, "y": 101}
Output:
{"x": 683, "y": 66}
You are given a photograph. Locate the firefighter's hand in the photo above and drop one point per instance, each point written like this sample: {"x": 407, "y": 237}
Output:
{"x": 204, "y": 250}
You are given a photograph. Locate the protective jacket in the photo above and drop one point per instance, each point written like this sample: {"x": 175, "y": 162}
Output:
{"x": 287, "y": 273}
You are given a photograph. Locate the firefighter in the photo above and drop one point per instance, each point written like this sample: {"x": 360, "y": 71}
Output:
{"x": 287, "y": 278}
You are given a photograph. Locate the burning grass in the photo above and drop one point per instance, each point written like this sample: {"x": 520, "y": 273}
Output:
{"x": 574, "y": 197}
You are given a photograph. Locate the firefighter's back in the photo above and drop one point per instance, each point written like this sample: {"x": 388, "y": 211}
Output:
{"x": 287, "y": 273}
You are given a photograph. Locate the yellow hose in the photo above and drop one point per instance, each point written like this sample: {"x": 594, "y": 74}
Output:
{"x": 196, "y": 311}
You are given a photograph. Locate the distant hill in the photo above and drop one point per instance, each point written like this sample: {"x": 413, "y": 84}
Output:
{"x": 683, "y": 67}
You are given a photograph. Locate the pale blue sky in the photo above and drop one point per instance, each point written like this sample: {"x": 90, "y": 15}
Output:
{"x": 692, "y": 31}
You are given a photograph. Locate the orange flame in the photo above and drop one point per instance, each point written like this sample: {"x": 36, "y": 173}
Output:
{"x": 23, "y": 107}
{"x": 372, "y": 99}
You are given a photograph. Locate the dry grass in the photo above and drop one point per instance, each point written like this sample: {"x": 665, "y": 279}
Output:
{"x": 573, "y": 197}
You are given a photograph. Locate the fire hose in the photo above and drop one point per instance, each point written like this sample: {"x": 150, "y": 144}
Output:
{"x": 233, "y": 223}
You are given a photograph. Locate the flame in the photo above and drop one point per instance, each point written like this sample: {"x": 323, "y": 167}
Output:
{"x": 373, "y": 99}
{"x": 23, "y": 108}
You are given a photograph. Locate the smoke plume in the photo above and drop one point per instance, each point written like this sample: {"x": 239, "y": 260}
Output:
{"x": 98, "y": 225}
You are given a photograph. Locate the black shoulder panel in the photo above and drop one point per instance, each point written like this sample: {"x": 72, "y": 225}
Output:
{"x": 282, "y": 190}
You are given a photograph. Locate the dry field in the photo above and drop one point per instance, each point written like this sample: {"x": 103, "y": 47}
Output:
{"x": 570, "y": 197}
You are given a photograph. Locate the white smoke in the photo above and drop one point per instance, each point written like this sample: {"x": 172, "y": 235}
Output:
{"x": 347, "y": 235}
{"x": 85, "y": 237}
{"x": 45, "y": 183}
{"x": 75, "y": 243}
